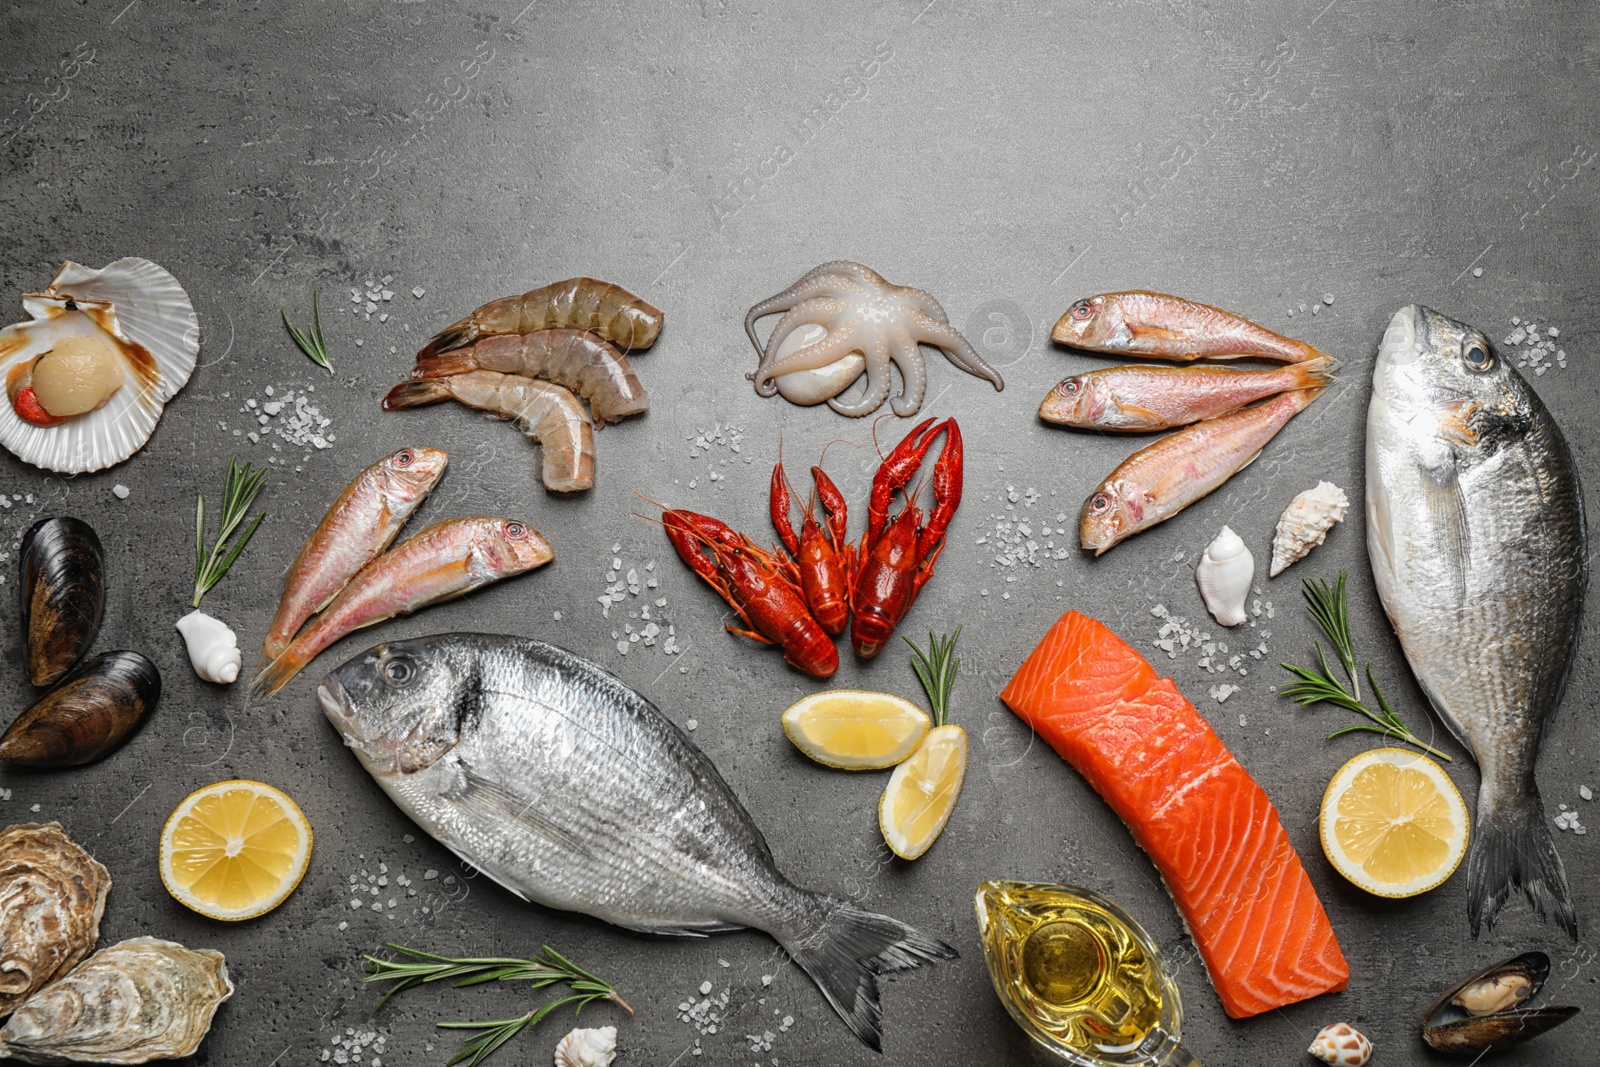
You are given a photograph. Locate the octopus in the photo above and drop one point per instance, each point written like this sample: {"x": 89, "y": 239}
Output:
{"x": 843, "y": 319}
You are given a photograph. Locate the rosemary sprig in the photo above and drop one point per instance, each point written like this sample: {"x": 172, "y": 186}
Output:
{"x": 238, "y": 493}
{"x": 936, "y": 669}
{"x": 1329, "y": 607}
{"x": 310, "y": 340}
{"x": 548, "y": 969}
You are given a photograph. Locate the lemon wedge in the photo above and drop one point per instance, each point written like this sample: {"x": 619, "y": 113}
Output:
{"x": 1393, "y": 823}
{"x": 855, "y": 730}
{"x": 922, "y": 792}
{"x": 234, "y": 850}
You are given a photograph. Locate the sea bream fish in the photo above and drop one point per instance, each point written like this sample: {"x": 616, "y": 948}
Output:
{"x": 1476, "y": 533}
{"x": 551, "y": 776}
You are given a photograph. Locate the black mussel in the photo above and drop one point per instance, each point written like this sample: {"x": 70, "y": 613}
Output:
{"x": 88, "y": 714}
{"x": 63, "y": 572}
{"x": 1486, "y": 1011}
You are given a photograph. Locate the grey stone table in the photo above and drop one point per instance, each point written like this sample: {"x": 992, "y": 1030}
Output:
{"x": 1330, "y": 159}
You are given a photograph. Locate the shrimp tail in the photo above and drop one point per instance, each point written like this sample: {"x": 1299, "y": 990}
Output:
{"x": 454, "y": 336}
{"x": 415, "y": 394}
{"x": 444, "y": 364}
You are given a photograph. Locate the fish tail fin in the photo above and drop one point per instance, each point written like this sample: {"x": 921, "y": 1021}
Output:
{"x": 415, "y": 394}
{"x": 444, "y": 364}
{"x": 279, "y": 673}
{"x": 845, "y": 952}
{"x": 1512, "y": 847}
{"x": 1315, "y": 373}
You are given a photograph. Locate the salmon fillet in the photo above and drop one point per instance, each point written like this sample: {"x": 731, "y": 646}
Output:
{"x": 1213, "y": 834}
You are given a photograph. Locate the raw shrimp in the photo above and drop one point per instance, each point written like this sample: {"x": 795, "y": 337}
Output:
{"x": 577, "y": 359}
{"x": 587, "y": 303}
{"x": 547, "y": 413}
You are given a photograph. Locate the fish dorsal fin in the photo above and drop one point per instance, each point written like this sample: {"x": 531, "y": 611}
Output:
{"x": 492, "y": 802}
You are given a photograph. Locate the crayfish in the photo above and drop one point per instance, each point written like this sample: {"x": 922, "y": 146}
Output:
{"x": 763, "y": 588}
{"x": 896, "y": 557}
{"x": 824, "y": 559}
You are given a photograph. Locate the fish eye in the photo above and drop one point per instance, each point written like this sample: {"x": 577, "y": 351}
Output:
{"x": 516, "y": 531}
{"x": 1069, "y": 387}
{"x": 1477, "y": 357}
{"x": 404, "y": 458}
{"x": 1099, "y": 503}
{"x": 399, "y": 671}
{"x": 1082, "y": 310}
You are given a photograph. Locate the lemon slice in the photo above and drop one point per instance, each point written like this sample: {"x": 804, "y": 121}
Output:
{"x": 855, "y": 730}
{"x": 922, "y": 792}
{"x": 1393, "y": 823}
{"x": 234, "y": 850}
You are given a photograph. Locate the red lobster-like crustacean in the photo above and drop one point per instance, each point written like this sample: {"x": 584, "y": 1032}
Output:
{"x": 762, "y": 588}
{"x": 896, "y": 558}
{"x": 825, "y": 560}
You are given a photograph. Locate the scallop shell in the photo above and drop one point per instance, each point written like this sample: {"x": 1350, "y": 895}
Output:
{"x": 1341, "y": 1044}
{"x": 1224, "y": 574}
{"x": 52, "y": 894}
{"x": 139, "y": 1000}
{"x": 1305, "y": 523}
{"x": 144, "y": 314}
{"x": 588, "y": 1048}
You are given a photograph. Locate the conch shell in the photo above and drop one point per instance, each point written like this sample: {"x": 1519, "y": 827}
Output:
{"x": 588, "y": 1048}
{"x": 1305, "y": 523}
{"x": 1224, "y": 574}
{"x": 140, "y": 1000}
{"x": 52, "y": 894}
{"x": 1341, "y": 1044}
{"x": 213, "y": 647}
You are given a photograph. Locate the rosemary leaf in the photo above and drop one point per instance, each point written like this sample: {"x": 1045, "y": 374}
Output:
{"x": 311, "y": 341}
{"x": 936, "y": 670}
{"x": 239, "y": 491}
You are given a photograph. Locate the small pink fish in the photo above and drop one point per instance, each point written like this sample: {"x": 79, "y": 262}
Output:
{"x": 1161, "y": 479}
{"x": 1136, "y": 399}
{"x": 1157, "y": 326}
{"x": 357, "y": 528}
{"x": 444, "y": 561}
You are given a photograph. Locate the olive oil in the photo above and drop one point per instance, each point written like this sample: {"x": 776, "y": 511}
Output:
{"x": 1079, "y": 975}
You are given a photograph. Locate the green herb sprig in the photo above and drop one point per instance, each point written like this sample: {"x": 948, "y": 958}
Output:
{"x": 548, "y": 969}
{"x": 1328, "y": 605}
{"x": 310, "y": 340}
{"x": 238, "y": 493}
{"x": 936, "y": 669}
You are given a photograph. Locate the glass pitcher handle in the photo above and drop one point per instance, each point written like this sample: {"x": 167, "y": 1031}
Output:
{"x": 1182, "y": 1057}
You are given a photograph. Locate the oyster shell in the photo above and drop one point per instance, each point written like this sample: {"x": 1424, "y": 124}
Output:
{"x": 52, "y": 894}
{"x": 588, "y": 1048}
{"x": 139, "y": 1000}
{"x": 141, "y": 312}
{"x": 1485, "y": 1010}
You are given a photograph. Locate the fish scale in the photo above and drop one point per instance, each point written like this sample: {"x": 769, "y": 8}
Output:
{"x": 571, "y": 790}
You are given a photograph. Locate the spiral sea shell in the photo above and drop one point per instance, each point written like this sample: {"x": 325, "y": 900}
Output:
{"x": 213, "y": 647}
{"x": 140, "y": 1000}
{"x": 1224, "y": 574}
{"x": 1305, "y": 523}
{"x": 588, "y": 1048}
{"x": 1341, "y": 1044}
{"x": 52, "y": 894}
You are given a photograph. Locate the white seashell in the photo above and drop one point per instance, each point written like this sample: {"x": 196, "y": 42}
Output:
{"x": 1305, "y": 523}
{"x": 815, "y": 386}
{"x": 588, "y": 1048}
{"x": 1341, "y": 1044}
{"x": 1224, "y": 574}
{"x": 213, "y": 647}
{"x": 143, "y": 314}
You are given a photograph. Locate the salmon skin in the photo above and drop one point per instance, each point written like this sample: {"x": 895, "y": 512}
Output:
{"x": 1211, "y": 830}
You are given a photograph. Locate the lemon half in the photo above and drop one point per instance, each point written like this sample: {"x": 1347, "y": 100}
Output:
{"x": 1393, "y": 823}
{"x": 234, "y": 850}
{"x": 855, "y": 730}
{"x": 922, "y": 792}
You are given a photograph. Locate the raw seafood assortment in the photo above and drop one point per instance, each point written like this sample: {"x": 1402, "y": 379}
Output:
{"x": 867, "y": 323}
{"x": 529, "y": 358}
{"x": 1476, "y": 538}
